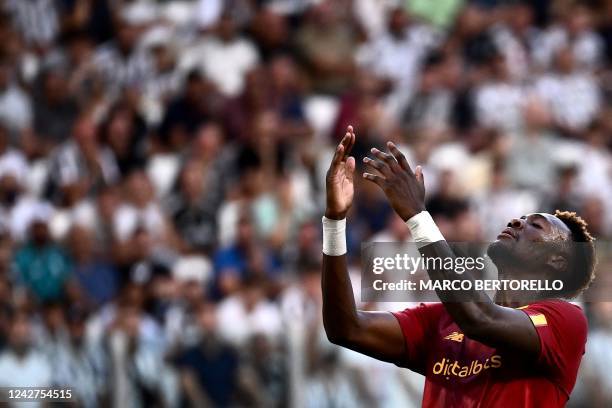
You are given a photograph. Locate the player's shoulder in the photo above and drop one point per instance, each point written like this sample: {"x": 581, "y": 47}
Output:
{"x": 559, "y": 312}
{"x": 558, "y": 305}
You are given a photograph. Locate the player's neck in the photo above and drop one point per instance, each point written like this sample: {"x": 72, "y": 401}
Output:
{"x": 515, "y": 298}
{"x": 510, "y": 298}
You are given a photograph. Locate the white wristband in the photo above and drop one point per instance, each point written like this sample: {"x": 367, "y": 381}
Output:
{"x": 423, "y": 229}
{"x": 334, "y": 236}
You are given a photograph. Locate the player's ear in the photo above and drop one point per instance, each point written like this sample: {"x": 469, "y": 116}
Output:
{"x": 557, "y": 262}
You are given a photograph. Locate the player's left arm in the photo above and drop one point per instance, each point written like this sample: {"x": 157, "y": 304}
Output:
{"x": 480, "y": 318}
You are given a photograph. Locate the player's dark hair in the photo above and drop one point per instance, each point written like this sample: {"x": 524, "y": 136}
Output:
{"x": 581, "y": 270}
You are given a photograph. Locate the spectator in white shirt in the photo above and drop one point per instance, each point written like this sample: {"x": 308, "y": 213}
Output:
{"x": 20, "y": 364}
{"x": 499, "y": 101}
{"x": 247, "y": 313}
{"x": 224, "y": 57}
{"x": 530, "y": 161}
{"x": 576, "y": 32}
{"x": 140, "y": 211}
{"x": 572, "y": 95}
{"x": 12, "y": 161}
{"x": 15, "y": 105}
{"x": 396, "y": 56}
{"x": 514, "y": 38}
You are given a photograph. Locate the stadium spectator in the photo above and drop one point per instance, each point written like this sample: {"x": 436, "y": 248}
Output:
{"x": 21, "y": 363}
{"x": 327, "y": 43}
{"x": 93, "y": 275}
{"x": 15, "y": 104}
{"x": 42, "y": 266}
{"x": 223, "y": 56}
{"x": 55, "y": 110}
{"x": 210, "y": 370}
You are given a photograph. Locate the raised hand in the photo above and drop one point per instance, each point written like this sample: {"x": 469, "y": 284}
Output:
{"x": 339, "y": 179}
{"x": 404, "y": 189}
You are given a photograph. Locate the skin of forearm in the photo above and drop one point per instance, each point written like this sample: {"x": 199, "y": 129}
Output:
{"x": 340, "y": 317}
{"x": 474, "y": 312}
{"x": 471, "y": 316}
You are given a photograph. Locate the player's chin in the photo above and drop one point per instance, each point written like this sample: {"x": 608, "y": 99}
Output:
{"x": 500, "y": 249}
{"x": 502, "y": 241}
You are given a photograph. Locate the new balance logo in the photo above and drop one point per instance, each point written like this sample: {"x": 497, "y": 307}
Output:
{"x": 455, "y": 336}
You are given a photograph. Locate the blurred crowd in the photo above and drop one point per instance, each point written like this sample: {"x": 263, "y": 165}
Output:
{"x": 162, "y": 170}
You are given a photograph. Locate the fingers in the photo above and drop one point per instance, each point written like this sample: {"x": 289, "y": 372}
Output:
{"x": 385, "y": 157}
{"x": 341, "y": 149}
{"x": 375, "y": 164}
{"x": 338, "y": 155}
{"x": 418, "y": 174}
{"x": 347, "y": 142}
{"x": 344, "y": 148}
{"x": 399, "y": 156}
{"x": 388, "y": 162}
{"x": 374, "y": 178}
{"x": 351, "y": 142}
{"x": 350, "y": 167}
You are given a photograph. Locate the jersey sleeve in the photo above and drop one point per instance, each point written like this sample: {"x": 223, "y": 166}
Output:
{"x": 418, "y": 324}
{"x": 562, "y": 329}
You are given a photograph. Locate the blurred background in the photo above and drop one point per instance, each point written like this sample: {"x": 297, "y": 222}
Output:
{"x": 162, "y": 179}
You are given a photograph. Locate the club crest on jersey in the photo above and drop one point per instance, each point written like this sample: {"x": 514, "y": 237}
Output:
{"x": 455, "y": 336}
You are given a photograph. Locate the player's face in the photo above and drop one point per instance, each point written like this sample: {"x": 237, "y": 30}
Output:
{"x": 525, "y": 239}
{"x": 537, "y": 227}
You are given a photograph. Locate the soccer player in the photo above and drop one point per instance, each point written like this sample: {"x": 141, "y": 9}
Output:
{"x": 477, "y": 353}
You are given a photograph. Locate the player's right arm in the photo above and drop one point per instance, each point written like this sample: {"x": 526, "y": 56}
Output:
{"x": 376, "y": 334}
{"x": 478, "y": 317}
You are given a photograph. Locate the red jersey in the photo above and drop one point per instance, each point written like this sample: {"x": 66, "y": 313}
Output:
{"x": 460, "y": 372}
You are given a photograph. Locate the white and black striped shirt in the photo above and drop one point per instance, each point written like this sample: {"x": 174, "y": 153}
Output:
{"x": 119, "y": 70}
{"x": 36, "y": 20}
